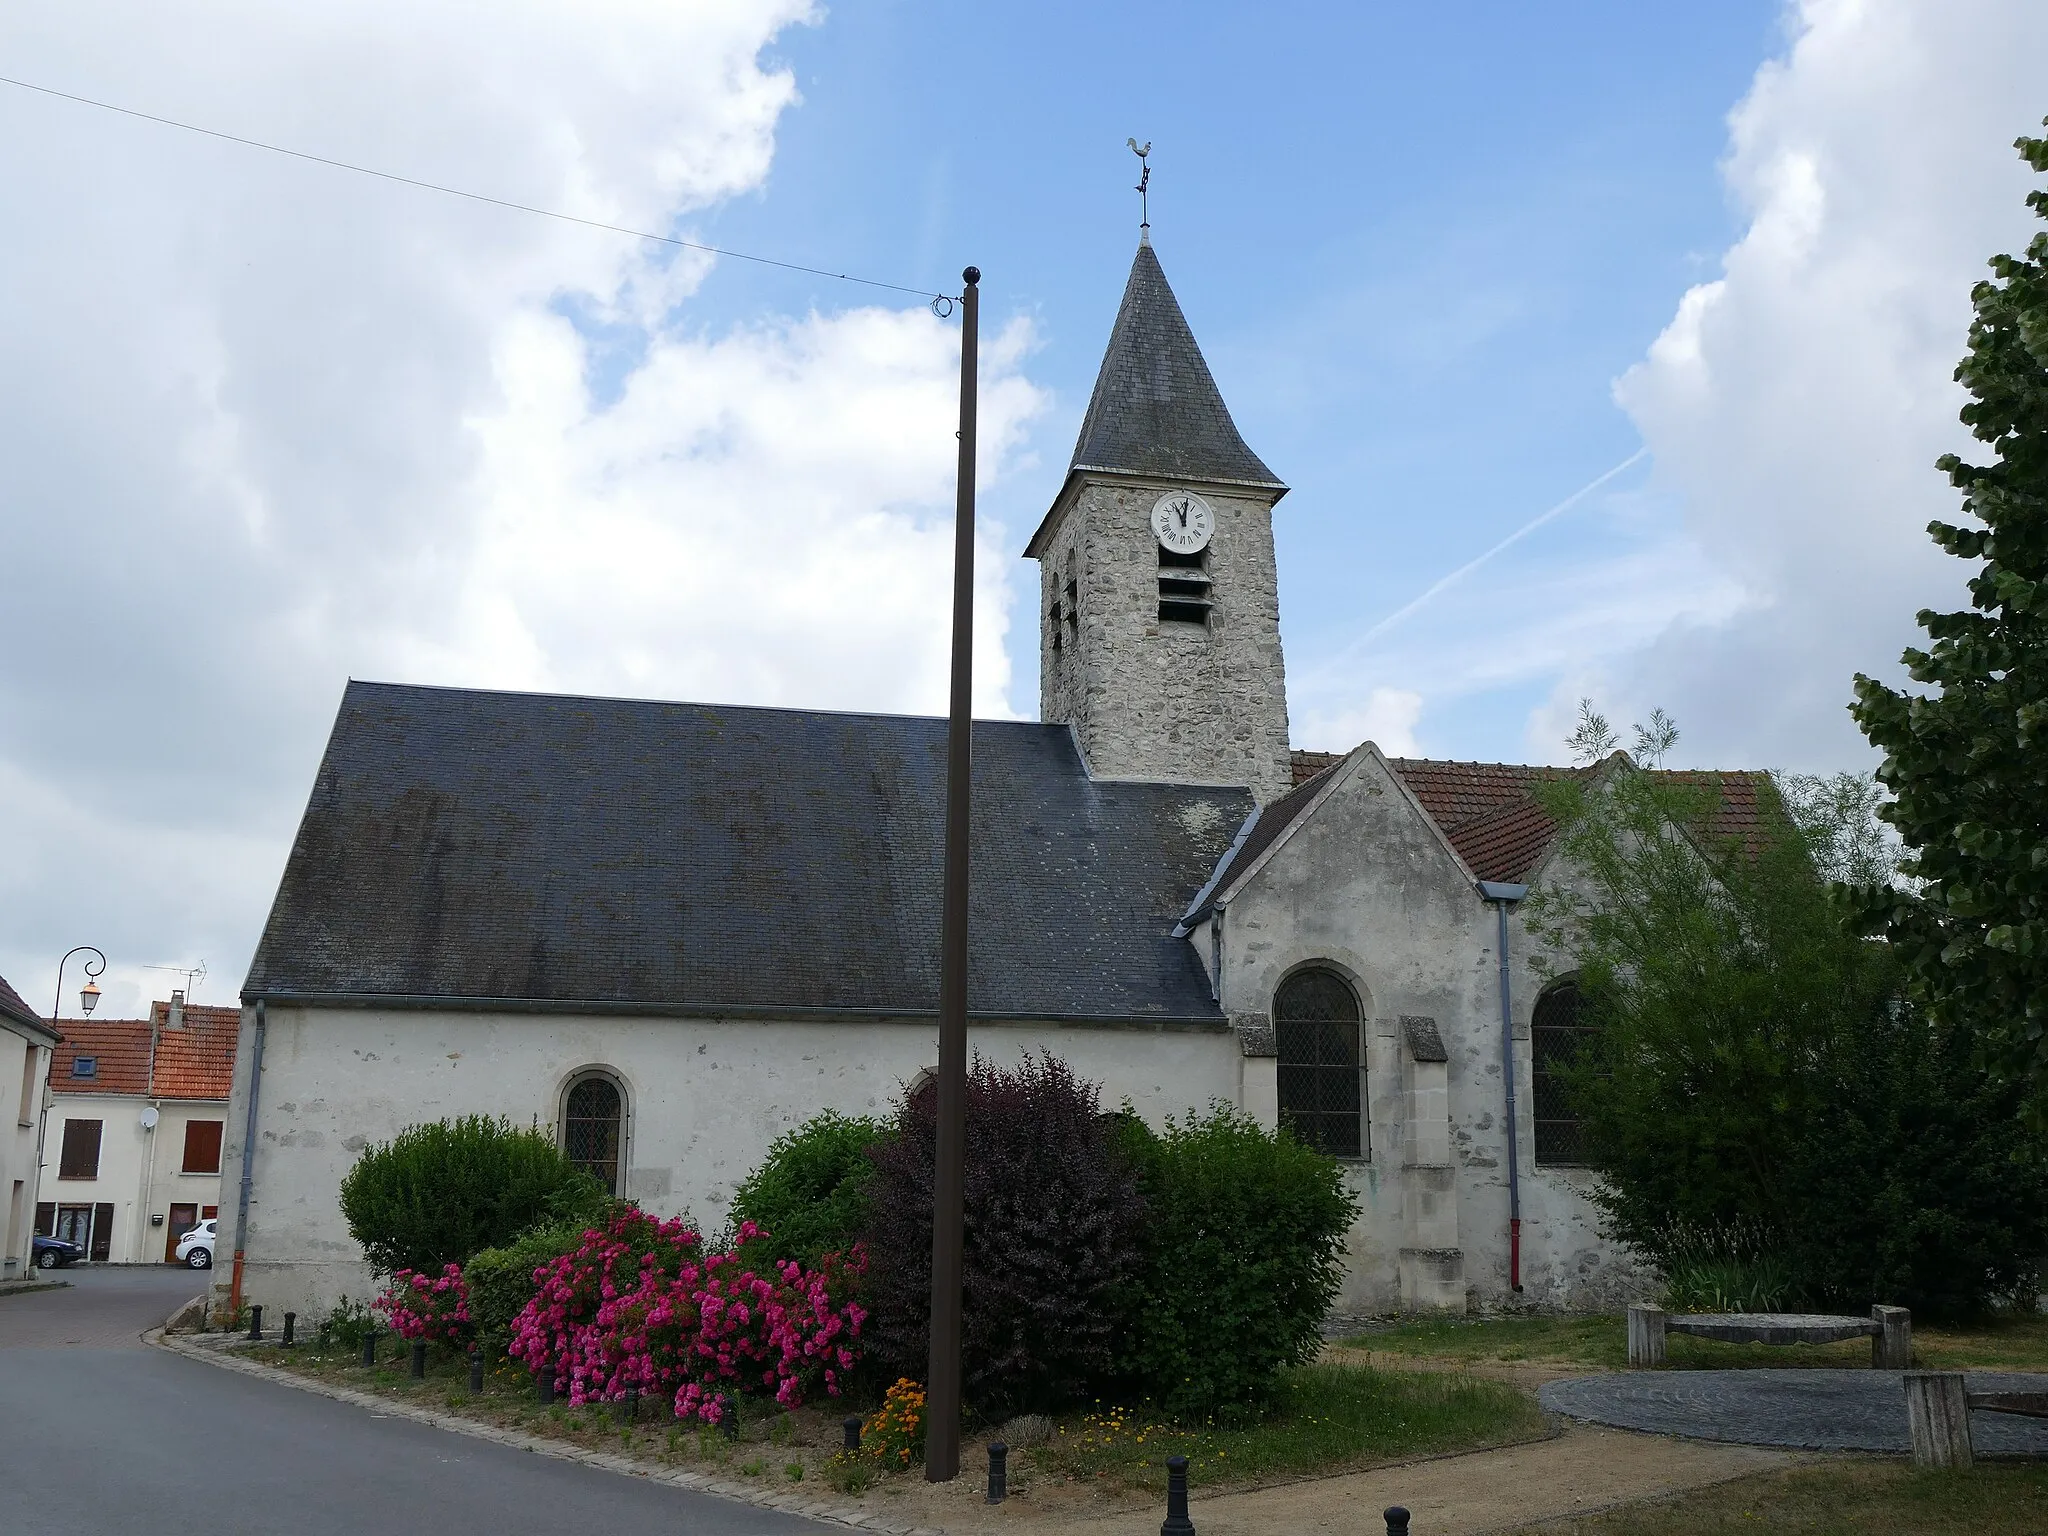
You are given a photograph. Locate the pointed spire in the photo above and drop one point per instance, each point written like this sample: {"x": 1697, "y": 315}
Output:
{"x": 1156, "y": 410}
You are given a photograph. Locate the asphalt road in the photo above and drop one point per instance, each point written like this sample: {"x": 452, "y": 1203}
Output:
{"x": 107, "y": 1436}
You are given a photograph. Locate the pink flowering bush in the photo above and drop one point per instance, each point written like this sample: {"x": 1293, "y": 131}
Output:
{"x": 431, "y": 1307}
{"x": 641, "y": 1305}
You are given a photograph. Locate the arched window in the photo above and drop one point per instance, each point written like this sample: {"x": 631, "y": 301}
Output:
{"x": 594, "y": 1127}
{"x": 1556, "y": 1032}
{"x": 1318, "y": 1029}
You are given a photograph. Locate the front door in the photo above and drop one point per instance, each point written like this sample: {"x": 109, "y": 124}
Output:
{"x": 74, "y": 1224}
{"x": 102, "y": 1232}
{"x": 183, "y": 1219}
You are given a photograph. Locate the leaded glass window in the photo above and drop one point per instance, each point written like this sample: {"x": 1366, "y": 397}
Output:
{"x": 593, "y": 1129}
{"x": 1319, "y": 1032}
{"x": 1556, "y": 1033}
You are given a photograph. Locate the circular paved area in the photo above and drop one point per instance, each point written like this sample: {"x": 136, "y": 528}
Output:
{"x": 1810, "y": 1410}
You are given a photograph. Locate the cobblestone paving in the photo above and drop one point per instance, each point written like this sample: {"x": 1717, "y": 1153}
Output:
{"x": 1806, "y": 1409}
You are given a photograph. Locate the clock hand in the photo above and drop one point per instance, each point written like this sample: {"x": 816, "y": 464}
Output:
{"x": 1183, "y": 510}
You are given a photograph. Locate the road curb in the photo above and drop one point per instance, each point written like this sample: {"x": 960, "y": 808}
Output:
{"x": 540, "y": 1445}
{"x": 24, "y": 1288}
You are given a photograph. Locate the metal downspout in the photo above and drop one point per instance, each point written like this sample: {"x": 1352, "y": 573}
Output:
{"x": 248, "y": 1163}
{"x": 1504, "y": 896}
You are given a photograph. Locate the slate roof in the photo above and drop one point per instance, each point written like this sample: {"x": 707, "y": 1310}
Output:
{"x": 1487, "y": 811}
{"x": 195, "y": 1062}
{"x": 14, "y": 1008}
{"x": 700, "y": 858}
{"x": 1156, "y": 409}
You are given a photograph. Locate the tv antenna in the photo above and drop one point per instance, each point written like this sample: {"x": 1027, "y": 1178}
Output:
{"x": 193, "y": 974}
{"x": 1144, "y": 183}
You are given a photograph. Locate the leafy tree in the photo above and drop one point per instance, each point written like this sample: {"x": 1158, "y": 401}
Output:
{"x": 810, "y": 1193}
{"x": 1756, "y": 1065}
{"x": 435, "y": 1194}
{"x": 1967, "y": 759}
{"x": 1053, "y": 1217}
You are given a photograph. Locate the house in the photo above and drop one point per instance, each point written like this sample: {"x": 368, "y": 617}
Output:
{"x": 26, "y": 1042}
{"x": 138, "y": 1109}
{"x": 669, "y": 932}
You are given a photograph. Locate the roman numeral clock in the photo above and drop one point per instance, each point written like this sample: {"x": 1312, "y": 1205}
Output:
{"x": 1182, "y": 522}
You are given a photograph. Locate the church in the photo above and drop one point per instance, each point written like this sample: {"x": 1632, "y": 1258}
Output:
{"x": 670, "y": 932}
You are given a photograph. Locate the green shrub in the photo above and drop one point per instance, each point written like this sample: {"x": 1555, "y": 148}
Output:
{"x": 500, "y": 1280}
{"x": 1053, "y": 1219}
{"x": 1244, "y": 1252}
{"x": 349, "y": 1323}
{"x": 436, "y": 1194}
{"x": 809, "y": 1194}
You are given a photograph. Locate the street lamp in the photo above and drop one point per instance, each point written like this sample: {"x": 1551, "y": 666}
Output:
{"x": 89, "y": 994}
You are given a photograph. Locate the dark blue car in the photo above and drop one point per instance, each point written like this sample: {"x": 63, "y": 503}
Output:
{"x": 55, "y": 1253}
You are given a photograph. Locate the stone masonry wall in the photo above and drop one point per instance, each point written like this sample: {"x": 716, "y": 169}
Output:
{"x": 1165, "y": 701}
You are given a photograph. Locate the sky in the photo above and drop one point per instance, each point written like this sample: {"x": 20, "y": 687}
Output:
{"x": 1606, "y": 347}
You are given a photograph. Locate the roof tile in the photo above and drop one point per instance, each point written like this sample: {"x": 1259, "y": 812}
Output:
{"x": 195, "y": 1062}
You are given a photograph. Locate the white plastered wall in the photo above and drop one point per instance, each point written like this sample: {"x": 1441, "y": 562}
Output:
{"x": 705, "y": 1099}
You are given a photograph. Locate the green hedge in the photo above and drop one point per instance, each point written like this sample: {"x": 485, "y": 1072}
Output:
{"x": 435, "y": 1194}
{"x": 809, "y": 1194}
{"x": 1244, "y": 1252}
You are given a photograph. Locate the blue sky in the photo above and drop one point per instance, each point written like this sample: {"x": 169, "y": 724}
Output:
{"x": 1418, "y": 245}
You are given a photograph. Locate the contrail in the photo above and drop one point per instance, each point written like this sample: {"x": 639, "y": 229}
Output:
{"x": 1514, "y": 538}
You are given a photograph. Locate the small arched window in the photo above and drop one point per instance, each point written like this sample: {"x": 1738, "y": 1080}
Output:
{"x": 594, "y": 1127}
{"x": 1319, "y": 1029}
{"x": 1556, "y": 1032}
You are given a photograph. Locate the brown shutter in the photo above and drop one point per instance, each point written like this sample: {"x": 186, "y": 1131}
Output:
{"x": 102, "y": 1232}
{"x": 202, "y": 1146}
{"x": 80, "y": 1158}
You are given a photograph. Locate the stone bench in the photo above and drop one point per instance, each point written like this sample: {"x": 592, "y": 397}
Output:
{"x": 1889, "y": 1329}
{"x": 1938, "y": 1405}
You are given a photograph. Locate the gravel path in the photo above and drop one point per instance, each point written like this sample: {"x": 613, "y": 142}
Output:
{"x": 1805, "y": 1409}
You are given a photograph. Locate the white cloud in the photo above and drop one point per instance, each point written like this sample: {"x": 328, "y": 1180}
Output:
{"x": 265, "y": 425}
{"x": 1387, "y": 719}
{"x": 1795, "y": 404}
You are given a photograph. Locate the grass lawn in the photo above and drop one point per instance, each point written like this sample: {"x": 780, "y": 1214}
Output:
{"x": 1842, "y": 1498}
{"x": 1327, "y": 1418}
{"x": 2016, "y": 1342}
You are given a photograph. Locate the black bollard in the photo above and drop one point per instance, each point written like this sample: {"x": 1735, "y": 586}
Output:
{"x": 289, "y": 1341}
{"x": 628, "y": 1411}
{"x": 544, "y": 1381}
{"x": 476, "y": 1370}
{"x": 998, "y": 1472}
{"x": 326, "y": 1336}
{"x": 1397, "y": 1521}
{"x": 370, "y": 1347}
{"x": 1177, "y": 1522}
{"x": 729, "y": 1416}
{"x": 419, "y": 1359}
{"x": 255, "y": 1322}
{"x": 849, "y": 1427}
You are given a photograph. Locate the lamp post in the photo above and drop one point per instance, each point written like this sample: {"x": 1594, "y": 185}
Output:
{"x": 89, "y": 994}
{"x": 88, "y": 999}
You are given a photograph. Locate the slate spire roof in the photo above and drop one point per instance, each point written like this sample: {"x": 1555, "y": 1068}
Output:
{"x": 1156, "y": 410}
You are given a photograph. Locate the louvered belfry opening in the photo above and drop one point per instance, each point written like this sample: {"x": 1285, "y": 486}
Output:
{"x": 1318, "y": 1027}
{"x": 593, "y": 1125}
{"x": 1557, "y": 1031}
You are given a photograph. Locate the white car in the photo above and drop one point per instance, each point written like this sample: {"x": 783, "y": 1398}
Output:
{"x": 195, "y": 1248}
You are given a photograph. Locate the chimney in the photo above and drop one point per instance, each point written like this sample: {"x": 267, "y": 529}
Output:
{"x": 176, "y": 1020}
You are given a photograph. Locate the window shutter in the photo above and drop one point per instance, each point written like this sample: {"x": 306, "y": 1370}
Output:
{"x": 80, "y": 1158}
{"x": 202, "y": 1146}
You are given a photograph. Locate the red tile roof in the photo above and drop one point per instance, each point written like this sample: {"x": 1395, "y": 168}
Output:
{"x": 195, "y": 1062}
{"x": 1489, "y": 813}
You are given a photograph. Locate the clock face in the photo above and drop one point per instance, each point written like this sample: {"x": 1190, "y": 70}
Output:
{"x": 1183, "y": 522}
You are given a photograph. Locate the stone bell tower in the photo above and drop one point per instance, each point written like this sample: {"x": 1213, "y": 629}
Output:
{"x": 1159, "y": 617}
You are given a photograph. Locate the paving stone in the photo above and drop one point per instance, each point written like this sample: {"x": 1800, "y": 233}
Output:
{"x": 1805, "y": 1409}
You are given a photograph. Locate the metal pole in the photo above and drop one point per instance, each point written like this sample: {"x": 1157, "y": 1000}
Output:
{"x": 248, "y": 1160}
{"x": 42, "y": 1096}
{"x": 949, "y": 1176}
